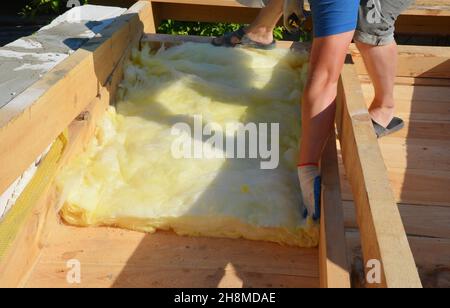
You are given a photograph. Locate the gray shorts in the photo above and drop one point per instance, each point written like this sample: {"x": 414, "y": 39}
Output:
{"x": 376, "y": 24}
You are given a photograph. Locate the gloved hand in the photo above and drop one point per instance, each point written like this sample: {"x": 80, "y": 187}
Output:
{"x": 310, "y": 184}
{"x": 293, "y": 14}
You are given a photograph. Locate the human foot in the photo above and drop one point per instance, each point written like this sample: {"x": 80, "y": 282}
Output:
{"x": 384, "y": 122}
{"x": 310, "y": 184}
{"x": 246, "y": 37}
{"x": 382, "y": 115}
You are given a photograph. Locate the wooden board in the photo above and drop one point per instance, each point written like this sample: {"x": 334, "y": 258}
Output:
{"x": 120, "y": 258}
{"x": 432, "y": 256}
{"x": 383, "y": 235}
{"x": 417, "y": 160}
{"x": 30, "y": 240}
{"x": 415, "y": 61}
{"x": 429, "y": 19}
{"x": 334, "y": 268}
{"x": 419, "y": 220}
{"x": 26, "y": 132}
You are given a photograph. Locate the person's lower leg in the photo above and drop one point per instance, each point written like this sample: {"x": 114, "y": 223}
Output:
{"x": 261, "y": 29}
{"x": 381, "y": 64}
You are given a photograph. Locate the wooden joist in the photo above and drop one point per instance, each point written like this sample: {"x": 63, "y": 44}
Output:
{"x": 419, "y": 220}
{"x": 432, "y": 256}
{"x": 426, "y": 18}
{"x": 334, "y": 268}
{"x": 30, "y": 122}
{"x": 114, "y": 49}
{"x": 415, "y": 61}
{"x": 383, "y": 235}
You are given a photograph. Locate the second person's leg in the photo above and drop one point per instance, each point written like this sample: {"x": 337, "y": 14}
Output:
{"x": 261, "y": 29}
{"x": 375, "y": 40}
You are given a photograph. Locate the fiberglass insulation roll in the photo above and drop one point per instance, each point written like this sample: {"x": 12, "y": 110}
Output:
{"x": 129, "y": 176}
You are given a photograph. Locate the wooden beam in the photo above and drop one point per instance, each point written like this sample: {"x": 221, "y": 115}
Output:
{"x": 414, "y": 61}
{"x": 431, "y": 254}
{"x": 205, "y": 13}
{"x": 420, "y": 23}
{"x": 419, "y": 220}
{"x": 157, "y": 40}
{"x": 383, "y": 235}
{"x": 31, "y": 122}
{"x": 29, "y": 241}
{"x": 333, "y": 262}
{"x": 417, "y": 20}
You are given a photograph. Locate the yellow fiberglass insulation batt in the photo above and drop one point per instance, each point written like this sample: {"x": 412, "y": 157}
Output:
{"x": 129, "y": 176}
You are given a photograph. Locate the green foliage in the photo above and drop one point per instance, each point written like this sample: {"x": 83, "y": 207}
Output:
{"x": 46, "y": 7}
{"x": 205, "y": 29}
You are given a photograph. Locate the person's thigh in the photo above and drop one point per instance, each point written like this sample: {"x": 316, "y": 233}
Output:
{"x": 376, "y": 23}
{"x": 331, "y": 17}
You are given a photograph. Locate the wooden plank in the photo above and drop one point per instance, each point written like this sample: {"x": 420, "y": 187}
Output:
{"x": 28, "y": 243}
{"x": 333, "y": 266}
{"x": 119, "y": 258}
{"x": 383, "y": 234}
{"x": 415, "y": 153}
{"x": 413, "y": 94}
{"x": 425, "y": 20}
{"x": 24, "y": 134}
{"x": 426, "y": 130}
{"x": 420, "y": 186}
{"x": 431, "y": 254}
{"x": 53, "y": 275}
{"x": 419, "y": 220}
{"x": 415, "y": 186}
{"x": 155, "y": 41}
{"x": 205, "y": 13}
{"x": 419, "y": 111}
{"x": 417, "y": 20}
{"x": 412, "y": 81}
{"x": 415, "y": 61}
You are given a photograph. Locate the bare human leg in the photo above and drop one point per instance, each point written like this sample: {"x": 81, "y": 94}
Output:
{"x": 318, "y": 112}
{"x": 381, "y": 64}
{"x": 318, "y": 107}
{"x": 261, "y": 29}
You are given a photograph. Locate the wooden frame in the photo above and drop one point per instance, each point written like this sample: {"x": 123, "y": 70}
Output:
{"x": 421, "y": 19}
{"x": 97, "y": 69}
{"x": 87, "y": 80}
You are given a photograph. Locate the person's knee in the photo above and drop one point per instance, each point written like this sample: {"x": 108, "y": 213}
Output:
{"x": 324, "y": 79}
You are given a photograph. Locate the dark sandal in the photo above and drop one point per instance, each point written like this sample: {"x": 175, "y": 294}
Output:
{"x": 244, "y": 40}
{"x": 395, "y": 125}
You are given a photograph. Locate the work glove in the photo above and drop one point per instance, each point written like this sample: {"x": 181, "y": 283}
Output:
{"x": 311, "y": 186}
{"x": 293, "y": 14}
